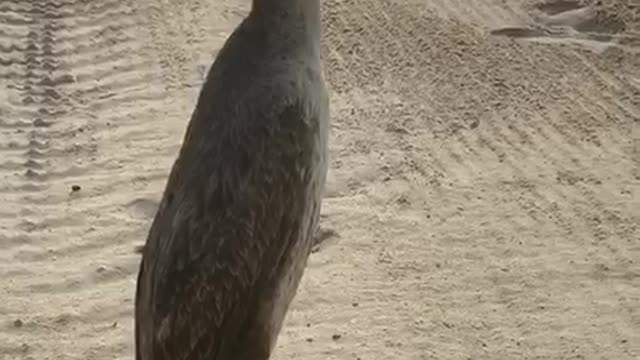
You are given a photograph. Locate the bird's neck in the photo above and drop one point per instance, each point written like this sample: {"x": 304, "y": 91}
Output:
{"x": 294, "y": 20}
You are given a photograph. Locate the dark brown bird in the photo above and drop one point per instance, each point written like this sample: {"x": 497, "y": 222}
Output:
{"x": 230, "y": 240}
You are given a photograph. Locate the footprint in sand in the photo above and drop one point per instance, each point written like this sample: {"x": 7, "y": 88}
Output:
{"x": 570, "y": 22}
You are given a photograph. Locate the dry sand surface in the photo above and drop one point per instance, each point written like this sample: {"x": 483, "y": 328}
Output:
{"x": 483, "y": 198}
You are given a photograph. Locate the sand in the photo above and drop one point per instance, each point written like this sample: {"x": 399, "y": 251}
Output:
{"x": 483, "y": 199}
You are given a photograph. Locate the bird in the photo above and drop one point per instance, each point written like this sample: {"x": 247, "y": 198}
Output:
{"x": 230, "y": 240}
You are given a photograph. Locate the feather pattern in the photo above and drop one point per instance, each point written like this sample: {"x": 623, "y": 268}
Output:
{"x": 229, "y": 243}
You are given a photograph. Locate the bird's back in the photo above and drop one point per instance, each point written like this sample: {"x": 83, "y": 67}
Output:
{"x": 228, "y": 244}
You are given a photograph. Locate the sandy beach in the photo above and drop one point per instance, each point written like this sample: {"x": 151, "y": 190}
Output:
{"x": 483, "y": 197}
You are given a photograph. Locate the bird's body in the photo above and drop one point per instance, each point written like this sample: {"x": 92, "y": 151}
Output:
{"x": 230, "y": 241}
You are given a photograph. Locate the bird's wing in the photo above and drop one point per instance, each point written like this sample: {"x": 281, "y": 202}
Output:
{"x": 212, "y": 248}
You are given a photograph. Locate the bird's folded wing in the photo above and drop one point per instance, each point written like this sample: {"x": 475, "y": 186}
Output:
{"x": 208, "y": 255}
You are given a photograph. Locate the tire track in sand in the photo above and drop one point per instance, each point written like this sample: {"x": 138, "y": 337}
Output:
{"x": 508, "y": 137}
{"x": 78, "y": 87}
